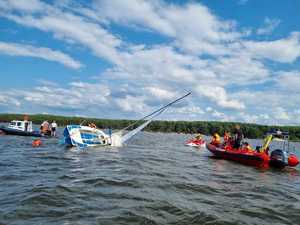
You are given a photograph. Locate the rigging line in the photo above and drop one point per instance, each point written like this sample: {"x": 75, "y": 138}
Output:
{"x": 158, "y": 110}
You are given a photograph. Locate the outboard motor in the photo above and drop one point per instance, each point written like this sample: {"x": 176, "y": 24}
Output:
{"x": 278, "y": 158}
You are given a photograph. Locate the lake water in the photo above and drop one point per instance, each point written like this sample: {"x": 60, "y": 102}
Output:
{"x": 154, "y": 179}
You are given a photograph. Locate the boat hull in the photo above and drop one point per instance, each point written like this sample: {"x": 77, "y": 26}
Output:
{"x": 84, "y": 136}
{"x": 199, "y": 144}
{"x": 241, "y": 156}
{"x": 19, "y": 132}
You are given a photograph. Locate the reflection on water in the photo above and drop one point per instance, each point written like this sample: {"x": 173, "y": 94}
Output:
{"x": 155, "y": 179}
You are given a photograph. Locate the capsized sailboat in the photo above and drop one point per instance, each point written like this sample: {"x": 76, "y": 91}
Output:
{"x": 86, "y": 136}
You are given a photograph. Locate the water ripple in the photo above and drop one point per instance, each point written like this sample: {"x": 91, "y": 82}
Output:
{"x": 152, "y": 180}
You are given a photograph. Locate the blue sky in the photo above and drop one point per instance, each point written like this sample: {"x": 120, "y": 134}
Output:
{"x": 124, "y": 58}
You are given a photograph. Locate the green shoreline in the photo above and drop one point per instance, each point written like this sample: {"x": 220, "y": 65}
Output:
{"x": 204, "y": 127}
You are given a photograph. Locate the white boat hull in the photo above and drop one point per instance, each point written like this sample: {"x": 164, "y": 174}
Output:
{"x": 84, "y": 136}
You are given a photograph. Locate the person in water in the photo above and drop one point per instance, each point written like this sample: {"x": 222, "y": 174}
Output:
{"x": 45, "y": 127}
{"x": 238, "y": 137}
{"x": 216, "y": 139}
{"x": 53, "y": 128}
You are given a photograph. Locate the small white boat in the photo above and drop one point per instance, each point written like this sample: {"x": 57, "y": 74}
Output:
{"x": 21, "y": 128}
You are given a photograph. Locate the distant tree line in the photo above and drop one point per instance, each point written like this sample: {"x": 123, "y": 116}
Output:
{"x": 204, "y": 127}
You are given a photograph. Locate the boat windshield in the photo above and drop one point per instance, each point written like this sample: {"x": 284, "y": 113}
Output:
{"x": 16, "y": 124}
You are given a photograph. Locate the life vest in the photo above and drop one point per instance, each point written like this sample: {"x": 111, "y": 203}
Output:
{"x": 36, "y": 143}
{"x": 216, "y": 140}
{"x": 248, "y": 148}
{"x": 226, "y": 137}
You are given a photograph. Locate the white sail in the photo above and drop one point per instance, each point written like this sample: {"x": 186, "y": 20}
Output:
{"x": 130, "y": 134}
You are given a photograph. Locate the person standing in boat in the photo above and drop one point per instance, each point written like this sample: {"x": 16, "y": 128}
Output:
{"x": 26, "y": 123}
{"x": 53, "y": 128}
{"x": 227, "y": 138}
{"x": 238, "y": 137}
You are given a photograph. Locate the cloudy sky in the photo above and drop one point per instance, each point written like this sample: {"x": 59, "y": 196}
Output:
{"x": 124, "y": 58}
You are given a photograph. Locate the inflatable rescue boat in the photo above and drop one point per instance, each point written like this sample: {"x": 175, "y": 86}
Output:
{"x": 278, "y": 158}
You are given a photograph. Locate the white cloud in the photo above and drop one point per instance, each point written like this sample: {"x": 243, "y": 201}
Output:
{"x": 139, "y": 12}
{"x": 132, "y": 104}
{"x": 289, "y": 81}
{"x": 285, "y": 50}
{"x": 202, "y": 53}
{"x": 78, "y": 95}
{"x": 273, "y": 105}
{"x": 160, "y": 93}
{"x": 281, "y": 114}
{"x": 219, "y": 96}
{"x": 6, "y": 100}
{"x": 239, "y": 70}
{"x": 192, "y": 25}
{"x": 15, "y": 49}
{"x": 188, "y": 110}
{"x": 70, "y": 28}
{"x": 268, "y": 27}
{"x": 160, "y": 64}
{"x": 24, "y": 5}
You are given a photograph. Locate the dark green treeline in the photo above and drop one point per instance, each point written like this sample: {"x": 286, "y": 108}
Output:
{"x": 204, "y": 127}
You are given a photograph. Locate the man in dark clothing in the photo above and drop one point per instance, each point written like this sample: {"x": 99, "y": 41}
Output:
{"x": 238, "y": 137}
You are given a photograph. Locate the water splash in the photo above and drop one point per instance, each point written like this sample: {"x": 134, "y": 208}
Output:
{"x": 130, "y": 134}
{"x": 116, "y": 139}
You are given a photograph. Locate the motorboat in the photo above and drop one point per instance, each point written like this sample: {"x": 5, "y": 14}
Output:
{"x": 21, "y": 128}
{"x": 262, "y": 156}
